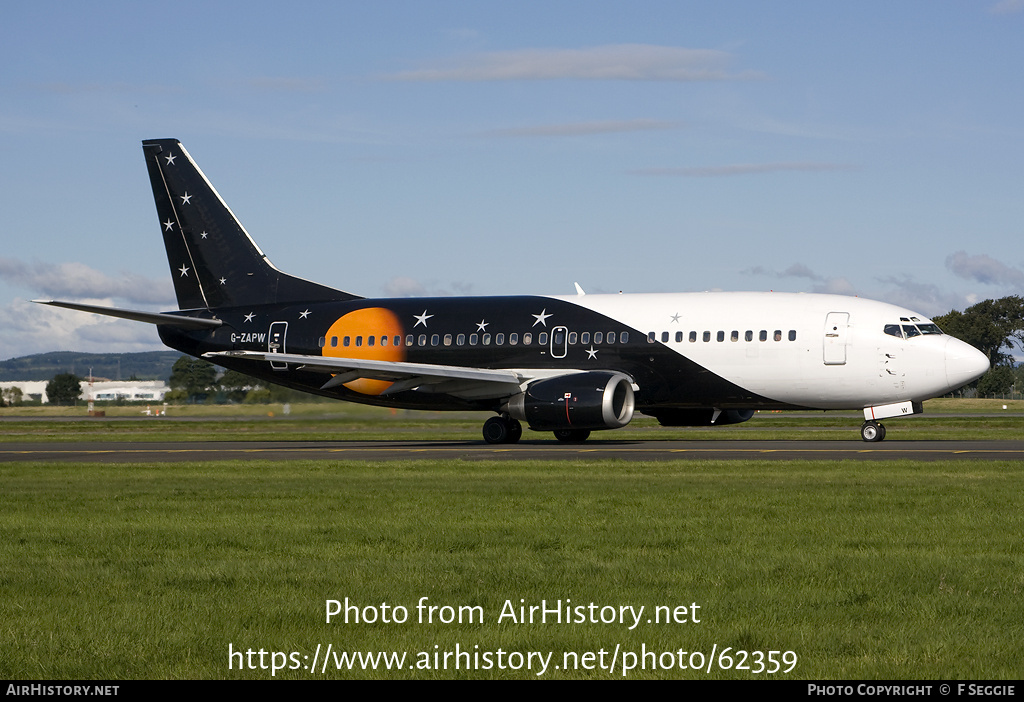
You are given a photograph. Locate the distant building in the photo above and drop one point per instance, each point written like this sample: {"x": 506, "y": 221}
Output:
{"x": 130, "y": 390}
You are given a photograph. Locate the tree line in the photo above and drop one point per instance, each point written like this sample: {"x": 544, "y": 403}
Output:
{"x": 994, "y": 327}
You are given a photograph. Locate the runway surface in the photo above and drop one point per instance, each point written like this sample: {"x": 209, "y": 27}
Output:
{"x": 123, "y": 452}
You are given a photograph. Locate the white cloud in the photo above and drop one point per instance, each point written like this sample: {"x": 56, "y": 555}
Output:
{"x": 76, "y": 280}
{"x": 613, "y": 62}
{"x": 822, "y": 283}
{"x": 403, "y": 286}
{"x": 984, "y": 269}
{"x": 30, "y": 328}
{"x": 926, "y": 298}
{"x": 1007, "y": 7}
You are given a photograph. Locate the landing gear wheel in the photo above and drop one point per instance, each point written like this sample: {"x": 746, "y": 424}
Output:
{"x": 872, "y": 431}
{"x": 502, "y": 430}
{"x": 572, "y": 436}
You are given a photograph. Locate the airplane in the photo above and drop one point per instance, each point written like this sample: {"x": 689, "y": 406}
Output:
{"x": 568, "y": 364}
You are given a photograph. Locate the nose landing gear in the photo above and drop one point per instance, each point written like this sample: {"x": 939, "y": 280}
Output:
{"x": 872, "y": 431}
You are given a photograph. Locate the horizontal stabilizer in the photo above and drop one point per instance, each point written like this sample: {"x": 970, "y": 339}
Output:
{"x": 173, "y": 320}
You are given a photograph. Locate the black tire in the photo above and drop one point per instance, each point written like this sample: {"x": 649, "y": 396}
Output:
{"x": 496, "y": 431}
{"x": 872, "y": 432}
{"x": 572, "y": 436}
{"x": 515, "y": 430}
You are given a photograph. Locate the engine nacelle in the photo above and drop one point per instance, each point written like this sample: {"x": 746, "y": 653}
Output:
{"x": 591, "y": 400}
{"x": 703, "y": 417}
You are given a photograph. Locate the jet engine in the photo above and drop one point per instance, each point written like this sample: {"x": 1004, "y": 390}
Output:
{"x": 703, "y": 417}
{"x": 581, "y": 401}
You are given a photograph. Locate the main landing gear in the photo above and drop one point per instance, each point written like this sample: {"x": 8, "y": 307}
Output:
{"x": 872, "y": 431}
{"x": 502, "y": 430}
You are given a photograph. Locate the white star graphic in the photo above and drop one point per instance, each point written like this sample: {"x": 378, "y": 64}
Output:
{"x": 168, "y": 225}
{"x": 303, "y": 315}
{"x": 183, "y": 270}
{"x": 541, "y": 318}
{"x": 421, "y": 319}
{"x": 223, "y": 281}
{"x": 482, "y": 325}
{"x": 170, "y": 159}
{"x": 591, "y": 352}
{"x": 248, "y": 317}
{"x": 203, "y": 234}
{"x": 185, "y": 199}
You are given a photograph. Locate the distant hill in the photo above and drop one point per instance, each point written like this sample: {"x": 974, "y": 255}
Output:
{"x": 149, "y": 365}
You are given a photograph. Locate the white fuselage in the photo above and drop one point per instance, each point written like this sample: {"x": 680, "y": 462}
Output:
{"x": 813, "y": 350}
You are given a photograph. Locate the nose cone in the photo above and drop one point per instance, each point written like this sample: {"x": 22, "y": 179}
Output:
{"x": 964, "y": 363}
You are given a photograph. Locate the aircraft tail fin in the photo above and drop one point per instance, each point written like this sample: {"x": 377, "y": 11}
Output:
{"x": 214, "y": 262}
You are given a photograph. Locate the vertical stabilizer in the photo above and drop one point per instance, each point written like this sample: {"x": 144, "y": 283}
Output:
{"x": 214, "y": 262}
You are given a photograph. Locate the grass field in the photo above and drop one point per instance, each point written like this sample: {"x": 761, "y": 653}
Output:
{"x": 943, "y": 419}
{"x": 862, "y": 570}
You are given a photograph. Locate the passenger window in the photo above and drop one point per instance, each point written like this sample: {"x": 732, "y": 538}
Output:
{"x": 611, "y": 337}
{"x": 370, "y": 340}
{"x": 720, "y": 336}
{"x": 707, "y": 336}
{"x": 383, "y": 341}
{"x": 435, "y": 339}
{"x": 748, "y": 335}
{"x": 423, "y": 339}
{"x": 527, "y": 339}
{"x": 693, "y": 337}
{"x": 542, "y": 338}
{"x": 398, "y": 341}
{"x": 792, "y": 334}
{"x": 473, "y": 339}
{"x": 598, "y": 337}
{"x": 735, "y": 336}
{"x": 513, "y": 339}
{"x": 650, "y": 337}
{"x": 778, "y": 335}
{"x": 763, "y": 335}
{"x": 359, "y": 341}
{"x": 447, "y": 339}
{"x": 679, "y": 337}
{"x": 664, "y": 337}
{"x": 486, "y": 340}
{"x": 499, "y": 339}
{"x": 584, "y": 338}
{"x": 334, "y": 341}
{"x": 460, "y": 340}
{"x": 624, "y": 338}
{"x": 572, "y": 338}
{"x": 322, "y": 341}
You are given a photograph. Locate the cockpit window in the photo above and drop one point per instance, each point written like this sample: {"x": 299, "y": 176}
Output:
{"x": 908, "y": 331}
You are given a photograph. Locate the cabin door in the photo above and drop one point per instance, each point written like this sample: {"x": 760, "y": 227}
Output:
{"x": 836, "y": 325}
{"x": 276, "y": 343}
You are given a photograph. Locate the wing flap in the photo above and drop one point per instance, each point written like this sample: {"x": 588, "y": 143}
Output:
{"x": 456, "y": 380}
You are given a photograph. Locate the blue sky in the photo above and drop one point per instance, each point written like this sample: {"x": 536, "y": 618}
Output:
{"x": 420, "y": 148}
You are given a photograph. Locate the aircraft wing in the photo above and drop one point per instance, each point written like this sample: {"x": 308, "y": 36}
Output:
{"x": 461, "y": 381}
